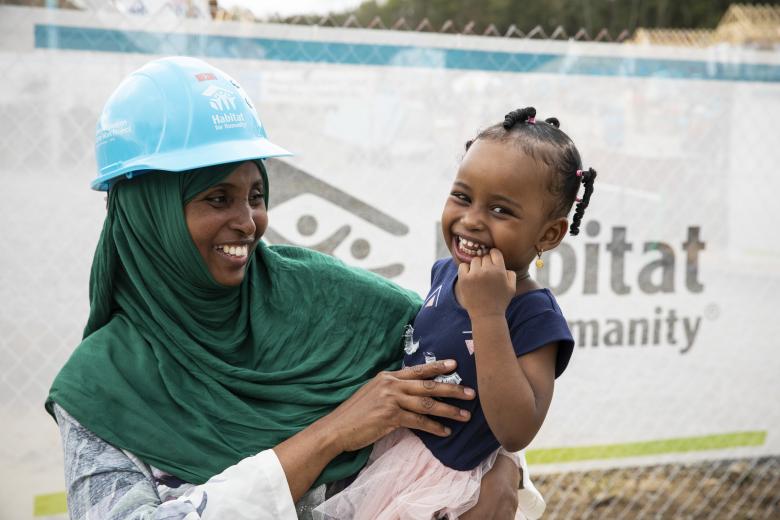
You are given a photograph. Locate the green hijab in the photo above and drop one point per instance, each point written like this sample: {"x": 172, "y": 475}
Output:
{"x": 192, "y": 376}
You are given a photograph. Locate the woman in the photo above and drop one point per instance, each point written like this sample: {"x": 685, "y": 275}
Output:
{"x": 219, "y": 377}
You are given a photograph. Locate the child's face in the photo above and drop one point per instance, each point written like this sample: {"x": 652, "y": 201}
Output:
{"x": 226, "y": 221}
{"x": 497, "y": 200}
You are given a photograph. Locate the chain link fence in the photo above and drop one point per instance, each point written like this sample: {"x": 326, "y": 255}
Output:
{"x": 738, "y": 489}
{"x": 58, "y": 67}
{"x": 451, "y": 27}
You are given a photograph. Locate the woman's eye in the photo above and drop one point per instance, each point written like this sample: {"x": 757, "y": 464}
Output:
{"x": 217, "y": 199}
{"x": 256, "y": 198}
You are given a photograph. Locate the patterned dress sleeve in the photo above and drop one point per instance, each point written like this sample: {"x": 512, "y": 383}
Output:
{"x": 103, "y": 482}
{"x": 106, "y": 483}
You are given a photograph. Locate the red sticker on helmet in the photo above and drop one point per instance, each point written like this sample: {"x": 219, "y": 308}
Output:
{"x": 205, "y": 76}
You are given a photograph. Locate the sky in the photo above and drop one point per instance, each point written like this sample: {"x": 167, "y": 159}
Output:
{"x": 265, "y": 8}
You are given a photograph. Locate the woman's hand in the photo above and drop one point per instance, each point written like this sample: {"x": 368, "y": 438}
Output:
{"x": 404, "y": 398}
{"x": 497, "y": 492}
{"x": 391, "y": 400}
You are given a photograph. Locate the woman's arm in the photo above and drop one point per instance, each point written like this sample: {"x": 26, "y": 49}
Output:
{"x": 497, "y": 492}
{"x": 390, "y": 400}
{"x": 105, "y": 482}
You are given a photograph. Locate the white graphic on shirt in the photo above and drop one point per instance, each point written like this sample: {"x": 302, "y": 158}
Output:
{"x": 430, "y": 357}
{"x": 410, "y": 346}
{"x": 433, "y": 299}
{"x": 452, "y": 379}
{"x": 469, "y": 343}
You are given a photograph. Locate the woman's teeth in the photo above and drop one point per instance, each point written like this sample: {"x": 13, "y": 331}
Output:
{"x": 472, "y": 248}
{"x": 237, "y": 251}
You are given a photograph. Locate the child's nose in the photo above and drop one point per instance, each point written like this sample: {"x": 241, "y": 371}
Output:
{"x": 472, "y": 219}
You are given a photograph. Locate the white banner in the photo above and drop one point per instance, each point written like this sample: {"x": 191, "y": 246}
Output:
{"x": 671, "y": 289}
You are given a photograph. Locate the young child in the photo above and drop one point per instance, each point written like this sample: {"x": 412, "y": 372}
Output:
{"x": 508, "y": 204}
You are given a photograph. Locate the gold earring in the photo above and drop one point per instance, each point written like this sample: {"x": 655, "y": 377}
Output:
{"x": 539, "y": 261}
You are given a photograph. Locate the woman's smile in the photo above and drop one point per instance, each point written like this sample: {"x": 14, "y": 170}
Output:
{"x": 234, "y": 255}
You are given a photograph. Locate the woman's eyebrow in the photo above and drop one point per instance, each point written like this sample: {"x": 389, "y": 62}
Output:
{"x": 224, "y": 185}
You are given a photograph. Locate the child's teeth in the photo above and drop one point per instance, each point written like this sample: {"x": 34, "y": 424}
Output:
{"x": 472, "y": 248}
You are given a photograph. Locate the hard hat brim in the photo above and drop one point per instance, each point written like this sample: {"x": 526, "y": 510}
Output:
{"x": 182, "y": 160}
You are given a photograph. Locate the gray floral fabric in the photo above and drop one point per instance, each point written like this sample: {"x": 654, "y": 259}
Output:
{"x": 106, "y": 483}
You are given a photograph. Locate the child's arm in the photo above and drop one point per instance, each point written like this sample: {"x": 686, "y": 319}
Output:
{"x": 515, "y": 393}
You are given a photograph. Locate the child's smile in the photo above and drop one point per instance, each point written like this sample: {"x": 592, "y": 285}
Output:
{"x": 469, "y": 248}
{"x": 497, "y": 200}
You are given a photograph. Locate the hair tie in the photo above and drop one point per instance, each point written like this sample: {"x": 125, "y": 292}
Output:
{"x": 579, "y": 173}
{"x": 531, "y": 120}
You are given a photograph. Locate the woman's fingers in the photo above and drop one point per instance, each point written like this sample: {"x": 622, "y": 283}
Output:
{"x": 427, "y": 370}
{"x": 418, "y": 380}
{"x": 430, "y": 406}
{"x": 416, "y": 421}
{"x": 429, "y": 387}
{"x": 405, "y": 398}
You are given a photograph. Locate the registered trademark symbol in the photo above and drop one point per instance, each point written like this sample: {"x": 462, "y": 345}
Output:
{"x": 712, "y": 311}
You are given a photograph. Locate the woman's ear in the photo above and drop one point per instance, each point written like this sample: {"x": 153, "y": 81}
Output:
{"x": 553, "y": 233}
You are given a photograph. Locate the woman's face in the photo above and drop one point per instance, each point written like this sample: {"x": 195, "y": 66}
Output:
{"x": 226, "y": 222}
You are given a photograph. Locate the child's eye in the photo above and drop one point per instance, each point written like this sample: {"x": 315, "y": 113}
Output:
{"x": 499, "y": 210}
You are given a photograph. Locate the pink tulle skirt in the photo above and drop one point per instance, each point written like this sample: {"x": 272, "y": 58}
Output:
{"x": 403, "y": 480}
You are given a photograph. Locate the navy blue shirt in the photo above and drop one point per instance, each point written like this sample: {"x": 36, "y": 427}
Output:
{"x": 442, "y": 330}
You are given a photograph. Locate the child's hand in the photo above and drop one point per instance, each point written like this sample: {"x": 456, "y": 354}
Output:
{"x": 486, "y": 287}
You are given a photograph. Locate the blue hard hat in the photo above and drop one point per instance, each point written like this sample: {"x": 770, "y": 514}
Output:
{"x": 177, "y": 114}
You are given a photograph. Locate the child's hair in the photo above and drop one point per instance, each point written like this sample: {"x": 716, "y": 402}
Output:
{"x": 547, "y": 143}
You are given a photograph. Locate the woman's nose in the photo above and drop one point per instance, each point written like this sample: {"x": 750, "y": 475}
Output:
{"x": 244, "y": 220}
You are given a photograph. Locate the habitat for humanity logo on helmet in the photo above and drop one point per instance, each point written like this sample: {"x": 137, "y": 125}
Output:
{"x": 223, "y": 101}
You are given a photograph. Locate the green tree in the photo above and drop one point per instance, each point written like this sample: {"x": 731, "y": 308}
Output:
{"x": 592, "y": 15}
